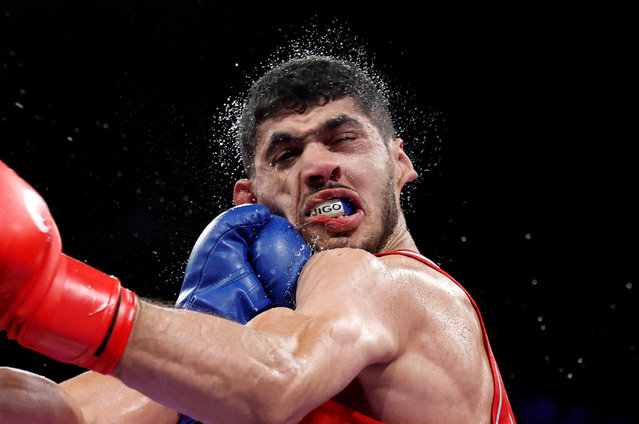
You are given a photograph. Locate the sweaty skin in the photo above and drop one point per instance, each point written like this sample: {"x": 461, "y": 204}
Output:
{"x": 106, "y": 400}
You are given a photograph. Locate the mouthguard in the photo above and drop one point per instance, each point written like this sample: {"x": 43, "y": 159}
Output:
{"x": 333, "y": 208}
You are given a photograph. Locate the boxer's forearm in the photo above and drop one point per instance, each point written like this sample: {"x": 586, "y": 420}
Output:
{"x": 216, "y": 370}
{"x": 105, "y": 400}
{"x": 194, "y": 363}
{"x": 87, "y": 398}
{"x": 29, "y": 398}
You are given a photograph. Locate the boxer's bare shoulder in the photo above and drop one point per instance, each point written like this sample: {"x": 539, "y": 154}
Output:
{"x": 343, "y": 269}
{"x": 396, "y": 278}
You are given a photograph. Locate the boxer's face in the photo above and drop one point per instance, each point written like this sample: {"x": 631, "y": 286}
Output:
{"x": 330, "y": 151}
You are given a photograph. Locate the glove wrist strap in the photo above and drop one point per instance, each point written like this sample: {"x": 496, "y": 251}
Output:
{"x": 85, "y": 319}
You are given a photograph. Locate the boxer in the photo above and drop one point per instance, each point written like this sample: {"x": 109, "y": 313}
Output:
{"x": 378, "y": 334}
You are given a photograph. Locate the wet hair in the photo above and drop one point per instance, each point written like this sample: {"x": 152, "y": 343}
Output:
{"x": 299, "y": 84}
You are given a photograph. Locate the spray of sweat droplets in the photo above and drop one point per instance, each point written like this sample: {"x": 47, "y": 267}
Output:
{"x": 419, "y": 128}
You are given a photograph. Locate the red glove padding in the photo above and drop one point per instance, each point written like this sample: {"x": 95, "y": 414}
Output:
{"x": 49, "y": 302}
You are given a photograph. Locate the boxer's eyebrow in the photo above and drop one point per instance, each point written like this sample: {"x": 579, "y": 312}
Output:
{"x": 338, "y": 121}
{"x": 280, "y": 138}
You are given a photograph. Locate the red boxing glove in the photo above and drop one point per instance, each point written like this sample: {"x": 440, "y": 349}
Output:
{"x": 49, "y": 302}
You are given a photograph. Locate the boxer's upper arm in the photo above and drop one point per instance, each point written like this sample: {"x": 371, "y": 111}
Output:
{"x": 337, "y": 329}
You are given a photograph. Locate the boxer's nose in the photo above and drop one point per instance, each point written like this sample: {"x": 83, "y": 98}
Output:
{"x": 319, "y": 166}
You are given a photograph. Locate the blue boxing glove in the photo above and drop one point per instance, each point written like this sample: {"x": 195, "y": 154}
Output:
{"x": 244, "y": 262}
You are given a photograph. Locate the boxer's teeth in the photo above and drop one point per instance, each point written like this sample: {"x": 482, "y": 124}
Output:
{"x": 333, "y": 208}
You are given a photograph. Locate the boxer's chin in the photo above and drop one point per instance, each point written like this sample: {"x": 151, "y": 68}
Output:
{"x": 321, "y": 242}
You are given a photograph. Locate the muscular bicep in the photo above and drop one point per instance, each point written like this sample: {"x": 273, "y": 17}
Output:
{"x": 350, "y": 289}
{"x": 337, "y": 329}
{"x": 340, "y": 308}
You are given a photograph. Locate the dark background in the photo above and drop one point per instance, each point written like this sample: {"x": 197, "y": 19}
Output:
{"x": 517, "y": 117}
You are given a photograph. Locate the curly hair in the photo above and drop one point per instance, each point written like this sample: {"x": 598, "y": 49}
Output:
{"x": 302, "y": 83}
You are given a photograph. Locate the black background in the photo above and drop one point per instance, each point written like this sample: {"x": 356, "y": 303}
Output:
{"x": 517, "y": 117}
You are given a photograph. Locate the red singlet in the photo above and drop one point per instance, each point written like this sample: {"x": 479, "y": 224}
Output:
{"x": 332, "y": 412}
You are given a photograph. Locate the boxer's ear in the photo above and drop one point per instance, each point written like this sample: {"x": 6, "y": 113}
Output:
{"x": 405, "y": 172}
{"x": 243, "y": 192}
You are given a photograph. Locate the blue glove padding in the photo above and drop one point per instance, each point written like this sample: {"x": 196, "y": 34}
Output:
{"x": 245, "y": 261}
{"x": 277, "y": 255}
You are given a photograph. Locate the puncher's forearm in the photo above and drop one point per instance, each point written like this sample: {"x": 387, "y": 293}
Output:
{"x": 206, "y": 367}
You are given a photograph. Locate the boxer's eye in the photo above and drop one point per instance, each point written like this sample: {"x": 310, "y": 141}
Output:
{"x": 332, "y": 208}
{"x": 342, "y": 139}
{"x": 284, "y": 157}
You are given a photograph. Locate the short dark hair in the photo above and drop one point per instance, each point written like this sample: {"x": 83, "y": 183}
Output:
{"x": 306, "y": 82}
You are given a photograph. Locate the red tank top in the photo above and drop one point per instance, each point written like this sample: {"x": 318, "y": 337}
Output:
{"x": 332, "y": 412}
